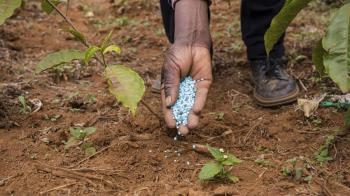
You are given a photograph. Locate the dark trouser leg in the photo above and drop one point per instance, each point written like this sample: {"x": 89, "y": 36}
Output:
{"x": 256, "y": 16}
{"x": 168, "y": 19}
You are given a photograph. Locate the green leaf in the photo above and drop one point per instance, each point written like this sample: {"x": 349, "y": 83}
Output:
{"x": 112, "y": 48}
{"x": 77, "y": 133}
{"x": 281, "y": 21}
{"x": 46, "y": 7}
{"x": 216, "y": 153}
{"x": 329, "y": 140}
{"x": 71, "y": 142}
{"x": 323, "y": 153}
{"x": 106, "y": 40}
{"x": 57, "y": 58}
{"x": 90, "y": 151}
{"x": 286, "y": 171}
{"x": 231, "y": 177}
{"x": 126, "y": 85}
{"x": 79, "y": 36}
{"x": 7, "y": 7}
{"x": 308, "y": 179}
{"x": 22, "y": 100}
{"x": 298, "y": 173}
{"x": 323, "y": 156}
{"x": 88, "y": 148}
{"x": 24, "y": 107}
{"x": 90, "y": 52}
{"x": 210, "y": 170}
{"x": 317, "y": 56}
{"x": 337, "y": 44}
{"x": 89, "y": 130}
{"x": 231, "y": 160}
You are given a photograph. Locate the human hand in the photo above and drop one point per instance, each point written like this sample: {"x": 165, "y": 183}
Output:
{"x": 182, "y": 61}
{"x": 188, "y": 56}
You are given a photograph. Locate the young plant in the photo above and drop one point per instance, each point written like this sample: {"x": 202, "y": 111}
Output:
{"x": 25, "y": 108}
{"x": 216, "y": 168}
{"x": 263, "y": 162}
{"x": 322, "y": 155}
{"x": 124, "y": 84}
{"x": 78, "y": 136}
{"x": 297, "y": 169}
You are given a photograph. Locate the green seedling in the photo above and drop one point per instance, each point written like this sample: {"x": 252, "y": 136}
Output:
{"x": 286, "y": 171}
{"x": 91, "y": 98}
{"x": 34, "y": 156}
{"x": 263, "y": 162}
{"x": 322, "y": 155}
{"x": 88, "y": 148}
{"x": 124, "y": 83}
{"x": 78, "y": 136}
{"x": 296, "y": 168}
{"x": 317, "y": 121}
{"x": 52, "y": 118}
{"x": 215, "y": 169}
{"x": 25, "y": 108}
{"x": 219, "y": 116}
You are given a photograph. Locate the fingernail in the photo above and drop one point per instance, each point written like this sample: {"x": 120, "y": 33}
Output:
{"x": 168, "y": 101}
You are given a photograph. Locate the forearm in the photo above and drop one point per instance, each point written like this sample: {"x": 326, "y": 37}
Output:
{"x": 173, "y": 2}
{"x": 192, "y": 23}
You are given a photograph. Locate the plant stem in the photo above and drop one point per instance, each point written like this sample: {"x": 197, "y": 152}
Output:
{"x": 65, "y": 18}
{"x": 67, "y": 8}
{"x": 103, "y": 59}
{"x": 86, "y": 43}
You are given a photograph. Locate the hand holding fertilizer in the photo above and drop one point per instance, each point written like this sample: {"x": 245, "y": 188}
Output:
{"x": 185, "y": 101}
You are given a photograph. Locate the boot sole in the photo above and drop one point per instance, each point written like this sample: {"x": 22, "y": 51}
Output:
{"x": 271, "y": 102}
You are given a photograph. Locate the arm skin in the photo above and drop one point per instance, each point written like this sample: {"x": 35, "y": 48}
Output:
{"x": 188, "y": 55}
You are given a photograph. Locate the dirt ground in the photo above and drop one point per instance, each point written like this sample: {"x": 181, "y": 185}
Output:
{"x": 31, "y": 145}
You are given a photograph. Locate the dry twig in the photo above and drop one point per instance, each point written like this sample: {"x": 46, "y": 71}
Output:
{"x": 57, "y": 188}
{"x": 3, "y": 181}
{"x": 250, "y": 132}
{"x": 91, "y": 156}
{"x": 68, "y": 173}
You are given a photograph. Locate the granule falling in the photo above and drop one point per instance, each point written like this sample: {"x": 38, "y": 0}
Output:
{"x": 185, "y": 101}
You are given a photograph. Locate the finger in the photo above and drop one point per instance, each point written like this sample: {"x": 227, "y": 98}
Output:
{"x": 168, "y": 113}
{"x": 201, "y": 95}
{"x": 202, "y": 73}
{"x": 193, "y": 120}
{"x": 171, "y": 75}
{"x": 183, "y": 130}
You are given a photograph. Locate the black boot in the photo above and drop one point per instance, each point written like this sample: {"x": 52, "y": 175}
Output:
{"x": 273, "y": 86}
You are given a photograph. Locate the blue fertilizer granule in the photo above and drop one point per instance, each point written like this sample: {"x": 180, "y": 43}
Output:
{"x": 185, "y": 101}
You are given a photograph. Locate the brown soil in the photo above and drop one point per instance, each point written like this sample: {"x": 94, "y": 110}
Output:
{"x": 29, "y": 143}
